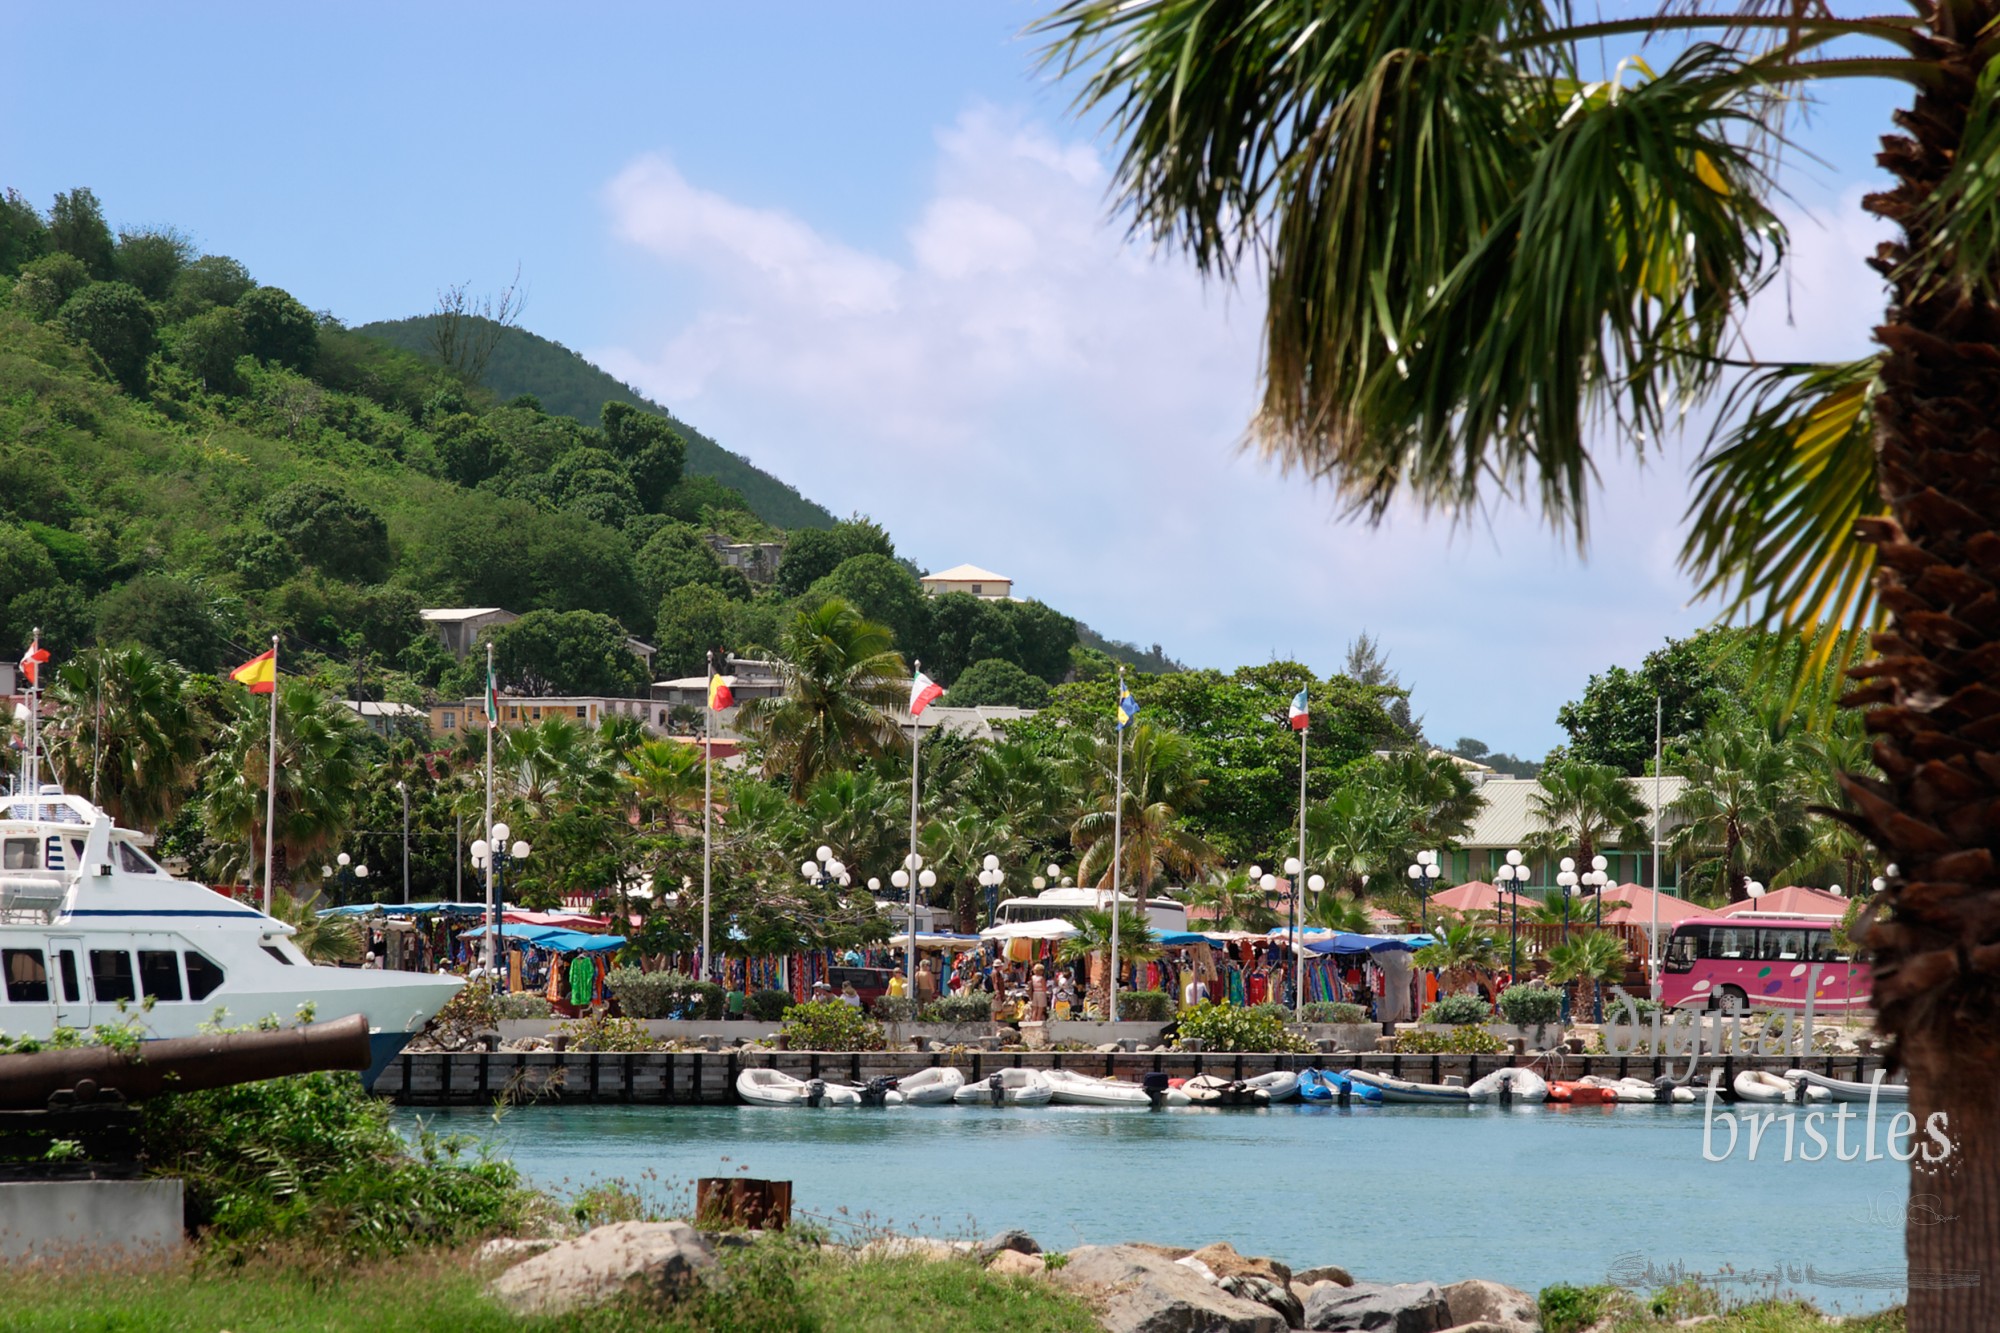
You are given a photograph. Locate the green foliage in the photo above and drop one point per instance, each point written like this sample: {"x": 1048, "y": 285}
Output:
{"x": 767, "y": 1006}
{"x": 599, "y": 1031}
{"x": 310, "y": 1161}
{"x": 664, "y": 994}
{"x": 995, "y": 681}
{"x": 653, "y": 452}
{"x": 1224, "y": 1027}
{"x": 676, "y": 557}
{"x": 207, "y": 345}
{"x": 77, "y": 227}
{"x": 816, "y": 552}
{"x": 1145, "y": 1006}
{"x": 1457, "y": 1009}
{"x": 330, "y": 529}
{"x": 24, "y": 237}
{"x": 175, "y": 618}
{"x": 210, "y": 281}
{"x": 1567, "y": 1309}
{"x": 894, "y": 1009}
{"x": 693, "y": 621}
{"x": 151, "y": 259}
{"x": 114, "y": 321}
{"x": 565, "y": 653}
{"x": 1530, "y": 1006}
{"x": 279, "y": 330}
{"x": 1334, "y": 1011}
{"x": 882, "y": 589}
{"x": 1464, "y": 1040}
{"x": 47, "y": 283}
{"x": 1695, "y": 679}
{"x": 973, "y": 1007}
{"x": 829, "y": 1025}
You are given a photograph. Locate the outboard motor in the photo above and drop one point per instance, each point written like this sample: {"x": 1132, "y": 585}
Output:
{"x": 815, "y": 1092}
{"x": 875, "y": 1092}
{"x": 997, "y": 1089}
{"x": 1663, "y": 1089}
{"x": 1155, "y": 1085}
{"x": 1506, "y": 1097}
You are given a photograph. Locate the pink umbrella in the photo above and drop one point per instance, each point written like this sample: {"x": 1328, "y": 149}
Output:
{"x": 1478, "y": 896}
{"x": 1794, "y": 900}
{"x": 1635, "y": 907}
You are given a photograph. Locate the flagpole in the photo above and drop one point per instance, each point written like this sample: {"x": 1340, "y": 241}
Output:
{"x": 707, "y": 809}
{"x": 910, "y": 865}
{"x": 492, "y": 904}
{"x": 31, "y": 770}
{"x": 271, "y": 782}
{"x": 1298, "y": 888}
{"x": 1653, "y": 937}
{"x": 1117, "y": 845}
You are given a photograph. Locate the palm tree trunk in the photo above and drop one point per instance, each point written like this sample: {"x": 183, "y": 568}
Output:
{"x": 1931, "y": 707}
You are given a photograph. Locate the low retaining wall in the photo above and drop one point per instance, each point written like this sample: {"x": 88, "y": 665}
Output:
{"x": 98, "y": 1221}
{"x": 480, "y": 1077}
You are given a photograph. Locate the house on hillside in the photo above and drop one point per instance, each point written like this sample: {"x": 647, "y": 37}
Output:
{"x": 981, "y": 583}
{"x": 390, "y": 719}
{"x": 758, "y": 561}
{"x": 458, "y": 628}
{"x": 1507, "y": 820}
{"x": 588, "y": 711}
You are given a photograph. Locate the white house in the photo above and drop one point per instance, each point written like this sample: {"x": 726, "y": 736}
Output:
{"x": 981, "y": 583}
{"x": 458, "y": 627}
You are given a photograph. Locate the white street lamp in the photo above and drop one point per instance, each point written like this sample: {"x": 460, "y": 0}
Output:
{"x": 1292, "y": 866}
{"x": 1317, "y": 883}
{"x": 901, "y": 879}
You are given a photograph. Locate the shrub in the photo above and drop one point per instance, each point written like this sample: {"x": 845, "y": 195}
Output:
{"x": 1567, "y": 1309}
{"x": 1224, "y": 1027}
{"x": 602, "y": 1032}
{"x": 1458, "y": 1010}
{"x": 968, "y": 1008}
{"x": 894, "y": 1008}
{"x": 1530, "y": 1006}
{"x": 1281, "y": 1012}
{"x": 1615, "y": 1010}
{"x": 1335, "y": 1011}
{"x": 310, "y": 1162}
{"x": 1146, "y": 1006}
{"x": 523, "y": 1005}
{"x": 767, "y": 1006}
{"x": 829, "y": 1025}
{"x": 664, "y": 994}
{"x": 1466, "y": 1039}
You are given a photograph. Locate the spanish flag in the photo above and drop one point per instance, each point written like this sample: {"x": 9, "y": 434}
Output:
{"x": 260, "y": 673}
{"x": 719, "y": 695}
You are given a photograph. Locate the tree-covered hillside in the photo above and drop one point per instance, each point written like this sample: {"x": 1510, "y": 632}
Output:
{"x": 567, "y": 385}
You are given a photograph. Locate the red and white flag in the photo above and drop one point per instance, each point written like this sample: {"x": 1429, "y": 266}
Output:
{"x": 922, "y": 691}
{"x": 31, "y": 662}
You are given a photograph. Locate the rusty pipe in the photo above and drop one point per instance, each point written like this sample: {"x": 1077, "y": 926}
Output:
{"x": 184, "y": 1064}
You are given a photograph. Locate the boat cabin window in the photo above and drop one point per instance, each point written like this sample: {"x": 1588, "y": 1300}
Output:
{"x": 278, "y": 954}
{"x": 19, "y": 854}
{"x": 204, "y": 975}
{"x": 111, "y": 976}
{"x": 27, "y": 976}
{"x": 72, "y": 992}
{"x": 133, "y": 861}
{"x": 160, "y": 973}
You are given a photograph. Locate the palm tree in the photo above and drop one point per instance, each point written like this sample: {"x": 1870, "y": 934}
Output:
{"x": 1475, "y": 250}
{"x": 1361, "y": 835}
{"x": 1835, "y": 852}
{"x": 1441, "y": 797}
{"x": 665, "y": 780}
{"x": 1744, "y": 807}
{"x": 843, "y": 684}
{"x": 1162, "y": 783}
{"x": 324, "y": 939}
{"x": 123, "y": 733}
{"x": 1587, "y": 958}
{"x": 1236, "y": 902}
{"x": 1460, "y": 952}
{"x": 1583, "y": 808}
{"x": 1339, "y": 911}
{"x": 1136, "y": 943}
{"x": 320, "y": 751}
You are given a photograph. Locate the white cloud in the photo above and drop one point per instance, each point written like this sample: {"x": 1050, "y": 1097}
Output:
{"x": 1018, "y": 386}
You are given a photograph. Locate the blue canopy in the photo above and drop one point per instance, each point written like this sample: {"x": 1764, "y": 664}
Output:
{"x": 516, "y": 930}
{"x": 1343, "y": 942}
{"x": 558, "y": 938}
{"x": 1175, "y": 938}
{"x": 407, "y": 909}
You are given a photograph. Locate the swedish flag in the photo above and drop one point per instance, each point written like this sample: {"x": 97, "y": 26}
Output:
{"x": 1128, "y": 707}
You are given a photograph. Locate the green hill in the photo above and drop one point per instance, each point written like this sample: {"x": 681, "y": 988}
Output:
{"x": 568, "y": 385}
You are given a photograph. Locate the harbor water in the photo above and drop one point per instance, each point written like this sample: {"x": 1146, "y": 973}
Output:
{"x": 1524, "y": 1195}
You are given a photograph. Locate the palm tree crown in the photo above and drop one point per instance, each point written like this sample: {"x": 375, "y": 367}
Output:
{"x": 843, "y": 683}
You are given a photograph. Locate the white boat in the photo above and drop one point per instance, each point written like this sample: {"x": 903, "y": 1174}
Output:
{"x": 1070, "y": 1088}
{"x": 1643, "y": 1092}
{"x": 1847, "y": 1090}
{"x": 1007, "y": 1087}
{"x": 1409, "y": 1091}
{"x": 1214, "y": 1090}
{"x": 91, "y": 927}
{"x": 769, "y": 1087}
{"x": 931, "y": 1087}
{"x": 1509, "y": 1085}
{"x": 1757, "y": 1085}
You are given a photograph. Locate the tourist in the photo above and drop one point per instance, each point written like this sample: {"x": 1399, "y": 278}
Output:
{"x": 1065, "y": 994}
{"x": 821, "y": 992}
{"x": 897, "y": 987}
{"x": 733, "y": 1004}
{"x": 850, "y": 996}
{"x": 1038, "y": 996}
{"x": 926, "y": 983}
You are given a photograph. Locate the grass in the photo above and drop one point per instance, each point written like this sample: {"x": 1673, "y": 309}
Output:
{"x": 771, "y": 1288}
{"x": 1567, "y": 1309}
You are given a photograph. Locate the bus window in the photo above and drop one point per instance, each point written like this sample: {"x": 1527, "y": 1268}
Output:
{"x": 1731, "y": 942}
{"x": 1819, "y": 948}
{"x": 1785, "y": 945}
{"x": 160, "y": 973}
{"x": 111, "y": 976}
{"x": 27, "y": 975}
{"x": 1684, "y": 948}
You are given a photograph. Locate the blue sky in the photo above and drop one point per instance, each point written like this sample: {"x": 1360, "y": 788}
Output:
{"x": 866, "y": 246}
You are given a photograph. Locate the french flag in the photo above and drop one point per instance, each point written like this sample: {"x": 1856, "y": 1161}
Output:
{"x": 1297, "y": 712}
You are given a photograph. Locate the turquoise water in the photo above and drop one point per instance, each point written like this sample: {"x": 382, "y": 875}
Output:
{"x": 1524, "y": 1195}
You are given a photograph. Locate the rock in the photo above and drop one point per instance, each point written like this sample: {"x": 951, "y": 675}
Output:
{"x": 1324, "y": 1273}
{"x": 1016, "y": 1263}
{"x": 732, "y": 1240}
{"x": 653, "y": 1257}
{"x": 1254, "y": 1278}
{"x": 513, "y": 1248}
{"x": 1108, "y": 1048}
{"x": 1008, "y": 1240}
{"x": 1138, "y": 1289}
{"x": 1278, "y": 1296}
{"x": 1475, "y": 1300}
{"x": 1223, "y": 1260}
{"x": 1409, "y": 1307}
{"x": 913, "y": 1247}
{"x": 1488, "y": 1326}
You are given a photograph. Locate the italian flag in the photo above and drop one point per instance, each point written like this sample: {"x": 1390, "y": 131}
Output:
{"x": 922, "y": 691}
{"x": 492, "y": 702}
{"x": 1297, "y": 712}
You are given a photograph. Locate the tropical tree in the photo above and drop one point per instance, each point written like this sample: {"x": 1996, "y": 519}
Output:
{"x": 1475, "y": 250}
{"x": 1361, "y": 836}
{"x": 665, "y": 780}
{"x": 320, "y": 756}
{"x": 324, "y": 939}
{"x": 1583, "y": 808}
{"x": 1587, "y": 959}
{"x": 1161, "y": 785}
{"x": 1136, "y": 944}
{"x": 1744, "y": 807}
{"x": 843, "y": 682}
{"x": 1236, "y": 903}
{"x": 124, "y": 733}
{"x": 1461, "y": 952}
{"x": 1442, "y": 800}
{"x": 1338, "y": 911}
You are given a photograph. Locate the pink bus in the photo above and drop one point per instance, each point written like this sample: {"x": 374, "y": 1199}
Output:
{"x": 1760, "y": 960}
